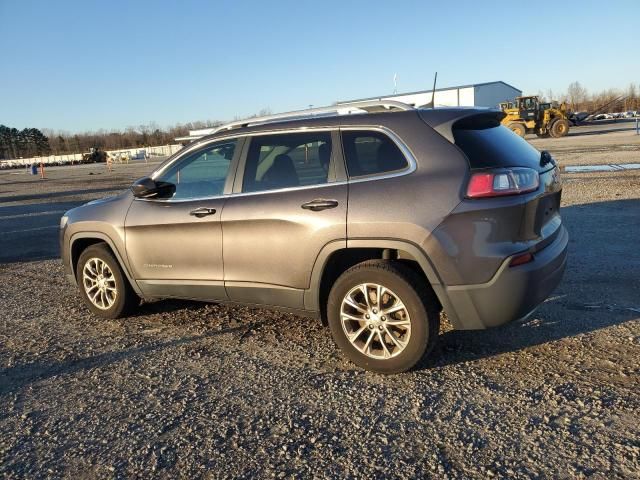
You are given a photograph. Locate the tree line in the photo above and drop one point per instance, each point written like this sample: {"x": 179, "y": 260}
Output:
{"x": 578, "y": 99}
{"x": 28, "y": 142}
{"x": 32, "y": 142}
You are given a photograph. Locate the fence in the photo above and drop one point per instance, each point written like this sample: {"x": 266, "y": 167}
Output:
{"x": 159, "y": 151}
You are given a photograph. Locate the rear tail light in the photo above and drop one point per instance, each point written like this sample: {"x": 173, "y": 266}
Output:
{"x": 496, "y": 183}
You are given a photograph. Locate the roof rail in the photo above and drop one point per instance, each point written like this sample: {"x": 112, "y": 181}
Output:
{"x": 347, "y": 108}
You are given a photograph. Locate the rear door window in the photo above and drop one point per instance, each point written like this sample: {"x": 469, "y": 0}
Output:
{"x": 287, "y": 160}
{"x": 370, "y": 153}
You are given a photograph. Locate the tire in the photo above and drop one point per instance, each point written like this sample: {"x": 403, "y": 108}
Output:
{"x": 517, "y": 128}
{"x": 98, "y": 274}
{"x": 559, "y": 128}
{"x": 414, "y": 327}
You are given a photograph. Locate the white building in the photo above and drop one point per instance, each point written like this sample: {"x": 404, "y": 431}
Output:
{"x": 488, "y": 94}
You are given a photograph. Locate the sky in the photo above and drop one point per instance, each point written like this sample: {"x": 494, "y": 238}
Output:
{"x": 88, "y": 65}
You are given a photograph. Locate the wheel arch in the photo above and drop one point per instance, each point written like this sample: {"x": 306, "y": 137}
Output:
{"x": 82, "y": 240}
{"x": 337, "y": 257}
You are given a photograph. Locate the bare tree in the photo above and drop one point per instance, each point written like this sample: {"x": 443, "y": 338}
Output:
{"x": 577, "y": 95}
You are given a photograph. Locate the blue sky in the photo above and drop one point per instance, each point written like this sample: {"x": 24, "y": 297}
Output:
{"x": 87, "y": 65}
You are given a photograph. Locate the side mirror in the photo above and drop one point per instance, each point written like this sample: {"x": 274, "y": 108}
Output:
{"x": 148, "y": 188}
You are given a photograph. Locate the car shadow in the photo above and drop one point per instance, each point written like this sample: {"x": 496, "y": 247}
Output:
{"x": 19, "y": 376}
{"x": 64, "y": 193}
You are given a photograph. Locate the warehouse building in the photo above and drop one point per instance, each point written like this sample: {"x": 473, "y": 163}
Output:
{"x": 488, "y": 94}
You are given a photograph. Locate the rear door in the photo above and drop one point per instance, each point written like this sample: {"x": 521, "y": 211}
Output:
{"x": 174, "y": 246}
{"x": 288, "y": 203}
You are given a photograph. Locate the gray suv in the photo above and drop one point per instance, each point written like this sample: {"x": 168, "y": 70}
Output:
{"x": 373, "y": 216}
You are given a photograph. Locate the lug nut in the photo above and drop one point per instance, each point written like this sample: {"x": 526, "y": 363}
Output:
{"x": 370, "y": 327}
{"x": 375, "y": 311}
{"x": 367, "y": 316}
{"x": 384, "y": 318}
{"x": 380, "y": 328}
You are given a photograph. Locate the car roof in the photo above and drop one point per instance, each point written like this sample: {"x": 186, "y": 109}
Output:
{"x": 432, "y": 116}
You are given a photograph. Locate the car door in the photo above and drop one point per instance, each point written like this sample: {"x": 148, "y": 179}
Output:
{"x": 288, "y": 203}
{"x": 174, "y": 246}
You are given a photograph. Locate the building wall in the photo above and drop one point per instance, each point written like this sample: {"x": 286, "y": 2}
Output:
{"x": 454, "y": 97}
{"x": 492, "y": 94}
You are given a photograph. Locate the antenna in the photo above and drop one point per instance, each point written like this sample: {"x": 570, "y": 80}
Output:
{"x": 395, "y": 83}
{"x": 431, "y": 104}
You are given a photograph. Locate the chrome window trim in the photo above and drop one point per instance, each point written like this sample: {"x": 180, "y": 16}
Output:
{"x": 406, "y": 151}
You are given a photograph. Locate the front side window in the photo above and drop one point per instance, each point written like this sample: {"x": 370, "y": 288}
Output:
{"x": 202, "y": 173}
{"x": 287, "y": 160}
{"x": 369, "y": 152}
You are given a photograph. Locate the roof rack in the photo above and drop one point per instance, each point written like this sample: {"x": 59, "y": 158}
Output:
{"x": 367, "y": 106}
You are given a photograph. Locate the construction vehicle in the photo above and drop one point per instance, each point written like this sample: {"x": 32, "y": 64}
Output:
{"x": 529, "y": 115}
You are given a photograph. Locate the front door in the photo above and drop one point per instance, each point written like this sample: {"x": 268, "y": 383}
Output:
{"x": 288, "y": 205}
{"x": 174, "y": 246}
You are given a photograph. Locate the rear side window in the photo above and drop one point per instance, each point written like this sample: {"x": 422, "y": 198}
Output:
{"x": 287, "y": 160}
{"x": 488, "y": 144}
{"x": 369, "y": 153}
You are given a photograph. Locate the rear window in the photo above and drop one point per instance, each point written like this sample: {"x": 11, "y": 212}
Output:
{"x": 488, "y": 144}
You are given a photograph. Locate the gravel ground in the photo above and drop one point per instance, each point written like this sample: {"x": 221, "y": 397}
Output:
{"x": 184, "y": 389}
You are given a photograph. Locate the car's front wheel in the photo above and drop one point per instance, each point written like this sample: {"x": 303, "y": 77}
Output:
{"x": 383, "y": 316}
{"x": 102, "y": 283}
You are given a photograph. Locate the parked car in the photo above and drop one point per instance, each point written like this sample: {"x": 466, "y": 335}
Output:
{"x": 374, "y": 222}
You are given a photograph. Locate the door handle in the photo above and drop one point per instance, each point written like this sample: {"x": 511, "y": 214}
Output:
{"x": 319, "y": 204}
{"x": 202, "y": 212}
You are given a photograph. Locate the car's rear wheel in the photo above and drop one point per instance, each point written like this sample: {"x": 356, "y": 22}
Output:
{"x": 103, "y": 286}
{"x": 383, "y": 316}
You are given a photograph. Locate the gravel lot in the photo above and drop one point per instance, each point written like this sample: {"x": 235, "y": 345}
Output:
{"x": 204, "y": 390}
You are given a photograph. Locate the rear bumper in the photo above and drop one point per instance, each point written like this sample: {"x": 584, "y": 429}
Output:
{"x": 513, "y": 292}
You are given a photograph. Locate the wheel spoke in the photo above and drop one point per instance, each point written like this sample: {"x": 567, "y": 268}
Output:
{"x": 365, "y": 291}
{"x": 397, "y": 342}
{"x": 394, "y": 308}
{"x": 349, "y": 301}
{"x": 398, "y": 323}
{"x": 367, "y": 345}
{"x": 354, "y": 336}
{"x": 351, "y": 317}
{"x": 385, "y": 349}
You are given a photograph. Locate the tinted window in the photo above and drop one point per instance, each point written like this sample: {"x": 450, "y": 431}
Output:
{"x": 369, "y": 153}
{"x": 287, "y": 160}
{"x": 202, "y": 173}
{"x": 487, "y": 144}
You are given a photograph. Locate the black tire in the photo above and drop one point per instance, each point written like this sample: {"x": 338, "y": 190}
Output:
{"x": 517, "y": 128}
{"x": 125, "y": 298}
{"x": 416, "y": 295}
{"x": 559, "y": 128}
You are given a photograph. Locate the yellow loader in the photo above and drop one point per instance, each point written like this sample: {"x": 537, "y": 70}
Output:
{"x": 529, "y": 115}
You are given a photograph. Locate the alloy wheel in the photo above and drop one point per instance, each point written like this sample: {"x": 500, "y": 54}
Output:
{"x": 99, "y": 283}
{"x": 375, "y": 321}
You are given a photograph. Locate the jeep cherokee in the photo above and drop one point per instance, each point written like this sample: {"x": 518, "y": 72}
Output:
{"x": 373, "y": 216}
